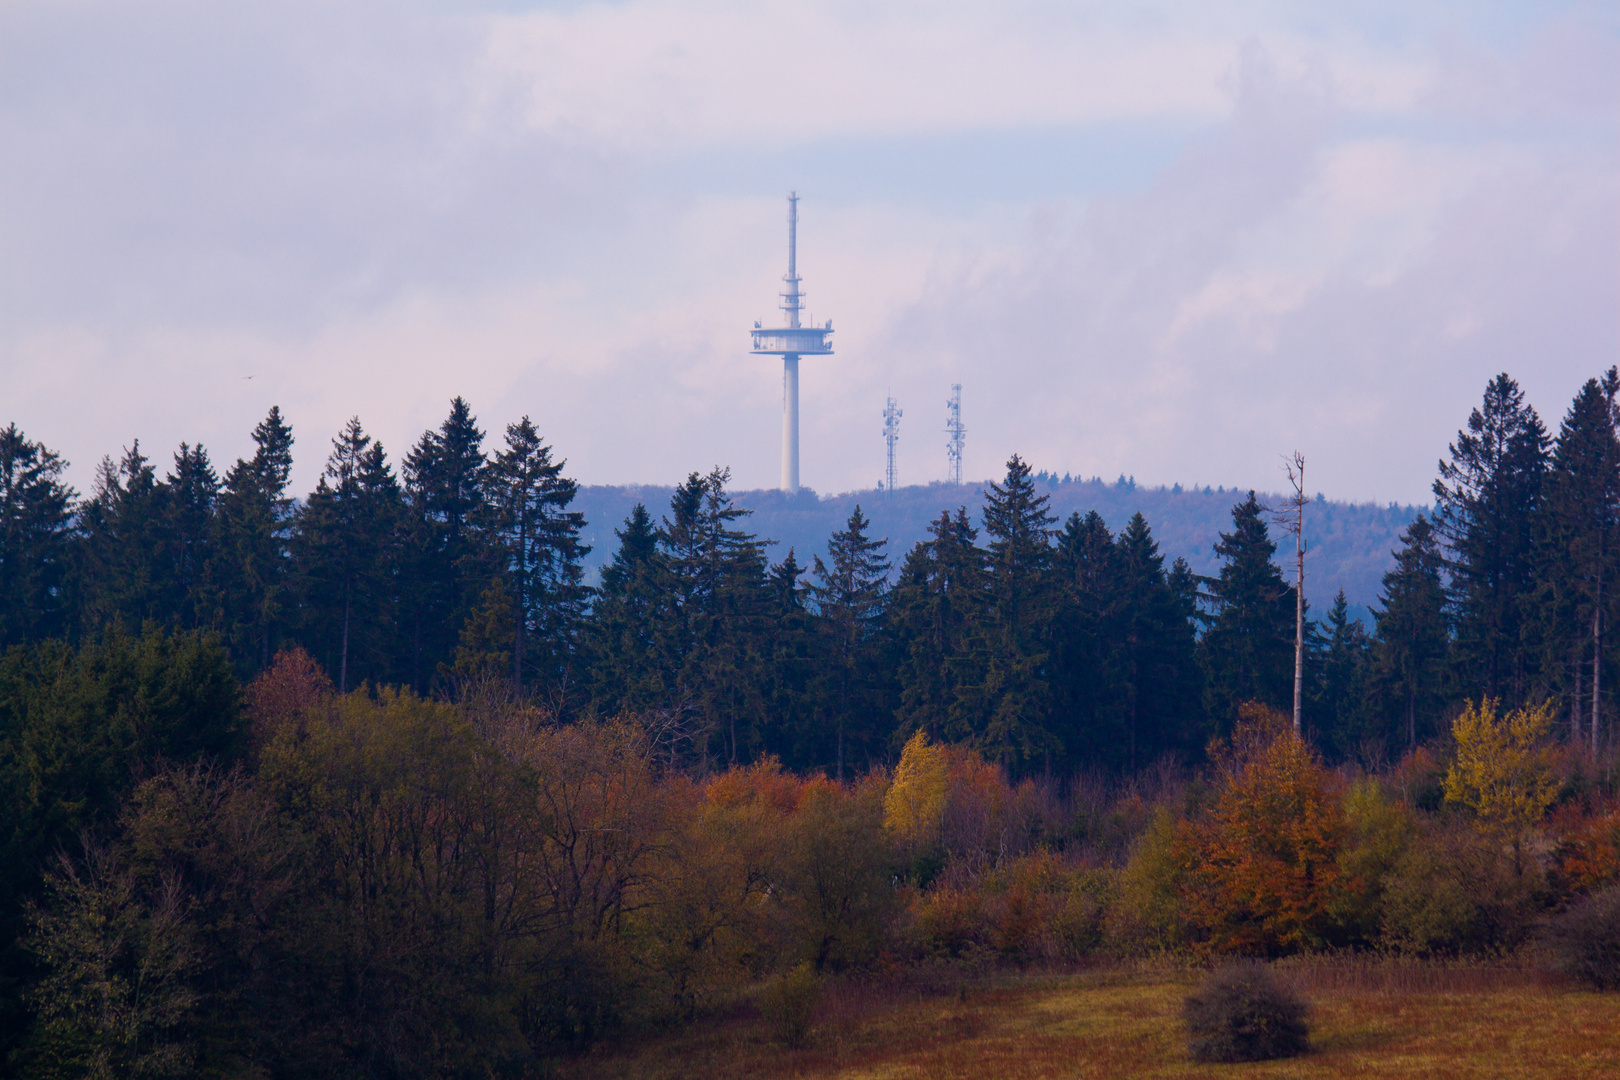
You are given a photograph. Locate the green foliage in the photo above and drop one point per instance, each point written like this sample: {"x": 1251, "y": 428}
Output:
{"x": 34, "y": 540}
{"x": 1408, "y": 661}
{"x": 1248, "y": 649}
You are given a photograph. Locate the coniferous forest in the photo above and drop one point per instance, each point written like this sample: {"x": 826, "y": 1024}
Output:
{"x": 376, "y": 780}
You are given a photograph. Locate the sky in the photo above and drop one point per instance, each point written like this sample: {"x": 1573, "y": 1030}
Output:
{"x": 1176, "y": 241}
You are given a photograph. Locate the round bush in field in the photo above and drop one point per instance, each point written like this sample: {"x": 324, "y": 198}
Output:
{"x": 1584, "y": 940}
{"x": 1242, "y": 1013}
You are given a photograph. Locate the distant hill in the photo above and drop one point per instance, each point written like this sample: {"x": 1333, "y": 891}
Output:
{"x": 1350, "y": 543}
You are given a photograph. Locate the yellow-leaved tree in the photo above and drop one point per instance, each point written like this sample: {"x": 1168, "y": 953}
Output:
{"x": 914, "y": 807}
{"x": 1502, "y": 772}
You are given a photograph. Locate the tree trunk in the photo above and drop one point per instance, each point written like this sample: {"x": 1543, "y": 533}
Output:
{"x": 1597, "y": 665}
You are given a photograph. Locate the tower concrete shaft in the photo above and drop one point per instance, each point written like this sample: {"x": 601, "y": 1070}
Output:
{"x": 790, "y": 423}
{"x": 790, "y": 342}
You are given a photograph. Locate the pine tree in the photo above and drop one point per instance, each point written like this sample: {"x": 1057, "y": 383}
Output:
{"x": 1486, "y": 501}
{"x": 1579, "y": 548}
{"x": 250, "y": 550}
{"x": 346, "y": 543}
{"x": 848, "y": 596}
{"x": 1249, "y": 647}
{"x": 1018, "y": 696}
{"x": 36, "y": 520}
{"x": 539, "y": 535}
{"x": 1410, "y": 652}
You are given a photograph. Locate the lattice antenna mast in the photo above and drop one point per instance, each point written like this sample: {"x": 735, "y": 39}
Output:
{"x": 957, "y": 433}
{"x": 891, "y": 435}
{"x": 791, "y": 342}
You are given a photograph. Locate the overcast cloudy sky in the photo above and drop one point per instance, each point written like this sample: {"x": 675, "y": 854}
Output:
{"x": 1171, "y": 240}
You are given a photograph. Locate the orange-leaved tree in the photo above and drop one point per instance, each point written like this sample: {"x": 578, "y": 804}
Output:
{"x": 1262, "y": 869}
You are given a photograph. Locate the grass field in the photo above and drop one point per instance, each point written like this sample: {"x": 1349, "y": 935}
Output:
{"x": 1367, "y": 1021}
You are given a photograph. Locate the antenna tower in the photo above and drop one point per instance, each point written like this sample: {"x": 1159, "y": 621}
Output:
{"x": 891, "y": 435}
{"x": 957, "y": 433}
{"x": 791, "y": 342}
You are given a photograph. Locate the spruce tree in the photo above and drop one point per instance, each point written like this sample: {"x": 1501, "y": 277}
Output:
{"x": 1018, "y": 614}
{"x": 121, "y": 570}
{"x": 191, "y": 492}
{"x": 250, "y": 551}
{"x": 1249, "y": 647}
{"x": 36, "y": 520}
{"x": 346, "y": 546}
{"x": 1486, "y": 502}
{"x": 1579, "y": 550}
{"x": 1088, "y": 708}
{"x": 624, "y": 634}
{"x": 1409, "y": 655}
{"x": 1340, "y": 701}
{"x": 1156, "y": 658}
{"x": 937, "y": 606}
{"x": 848, "y": 593}
{"x": 449, "y": 560}
{"x": 539, "y": 538}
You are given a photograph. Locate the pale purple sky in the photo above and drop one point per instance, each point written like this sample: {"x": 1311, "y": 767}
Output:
{"x": 1172, "y": 240}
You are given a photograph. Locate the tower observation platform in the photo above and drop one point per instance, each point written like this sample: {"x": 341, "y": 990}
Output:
{"x": 791, "y": 342}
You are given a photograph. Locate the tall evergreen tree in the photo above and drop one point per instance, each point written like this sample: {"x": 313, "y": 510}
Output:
{"x": 1157, "y": 657}
{"x": 121, "y": 568}
{"x": 449, "y": 562}
{"x": 1580, "y": 553}
{"x": 625, "y": 632}
{"x": 36, "y": 518}
{"x": 848, "y": 596}
{"x": 540, "y": 541}
{"x": 191, "y": 491}
{"x": 1018, "y": 613}
{"x": 346, "y": 542}
{"x": 1339, "y": 707}
{"x": 1087, "y": 706}
{"x": 713, "y": 639}
{"x": 1249, "y": 646}
{"x": 1410, "y": 653}
{"x": 1486, "y": 501}
{"x": 937, "y": 606}
{"x": 250, "y": 551}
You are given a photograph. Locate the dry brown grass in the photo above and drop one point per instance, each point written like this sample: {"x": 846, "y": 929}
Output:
{"x": 1369, "y": 1020}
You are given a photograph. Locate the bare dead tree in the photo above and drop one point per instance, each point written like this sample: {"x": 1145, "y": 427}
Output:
{"x": 1292, "y": 519}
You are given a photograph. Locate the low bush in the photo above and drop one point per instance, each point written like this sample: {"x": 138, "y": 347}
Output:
{"x": 1584, "y": 940}
{"x": 1242, "y": 1013}
{"x": 789, "y": 1003}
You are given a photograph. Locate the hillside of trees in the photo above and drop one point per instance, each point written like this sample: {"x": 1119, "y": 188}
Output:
{"x": 1351, "y": 543}
{"x": 382, "y": 781}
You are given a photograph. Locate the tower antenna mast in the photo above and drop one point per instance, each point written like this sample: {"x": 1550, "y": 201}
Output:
{"x": 791, "y": 342}
{"x": 957, "y": 433}
{"x": 891, "y": 435}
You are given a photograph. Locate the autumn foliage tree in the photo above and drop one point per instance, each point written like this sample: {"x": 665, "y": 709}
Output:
{"x": 1263, "y": 867}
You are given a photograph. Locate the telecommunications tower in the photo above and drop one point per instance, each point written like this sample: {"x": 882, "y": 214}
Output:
{"x": 791, "y": 342}
{"x": 957, "y": 433}
{"x": 891, "y": 435}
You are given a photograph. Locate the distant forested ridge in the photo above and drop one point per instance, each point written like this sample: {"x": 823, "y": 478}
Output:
{"x": 1352, "y": 544}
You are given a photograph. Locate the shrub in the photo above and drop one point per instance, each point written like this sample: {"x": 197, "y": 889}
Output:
{"x": 1584, "y": 940}
{"x": 789, "y": 1003}
{"x": 1242, "y": 1013}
